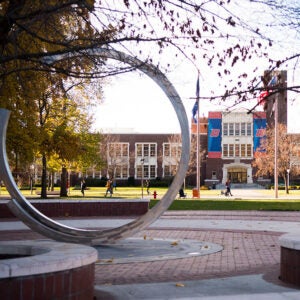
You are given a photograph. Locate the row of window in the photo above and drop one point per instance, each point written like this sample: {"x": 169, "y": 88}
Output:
{"x": 145, "y": 171}
{"x": 144, "y": 150}
{"x": 237, "y": 150}
{"x": 237, "y": 129}
{"x": 172, "y": 150}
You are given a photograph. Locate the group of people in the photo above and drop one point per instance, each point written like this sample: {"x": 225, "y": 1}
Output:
{"x": 110, "y": 185}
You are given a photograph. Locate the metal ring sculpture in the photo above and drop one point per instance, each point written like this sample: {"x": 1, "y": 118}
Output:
{"x": 40, "y": 223}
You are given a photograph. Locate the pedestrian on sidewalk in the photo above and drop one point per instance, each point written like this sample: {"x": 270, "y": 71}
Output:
{"x": 228, "y": 188}
{"x": 148, "y": 186}
{"x": 109, "y": 187}
{"x": 82, "y": 186}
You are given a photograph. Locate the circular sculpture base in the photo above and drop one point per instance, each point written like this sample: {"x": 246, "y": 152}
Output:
{"x": 141, "y": 250}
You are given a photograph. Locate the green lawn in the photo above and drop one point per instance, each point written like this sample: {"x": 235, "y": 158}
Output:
{"x": 209, "y": 199}
{"x": 283, "y": 205}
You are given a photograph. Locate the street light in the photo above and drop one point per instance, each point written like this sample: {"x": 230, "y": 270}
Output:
{"x": 288, "y": 180}
{"x": 142, "y": 181}
{"x": 31, "y": 178}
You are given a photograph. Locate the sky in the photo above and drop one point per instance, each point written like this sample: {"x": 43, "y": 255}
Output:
{"x": 134, "y": 103}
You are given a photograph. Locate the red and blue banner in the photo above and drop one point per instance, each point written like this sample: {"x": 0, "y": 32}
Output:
{"x": 259, "y": 130}
{"x": 214, "y": 134}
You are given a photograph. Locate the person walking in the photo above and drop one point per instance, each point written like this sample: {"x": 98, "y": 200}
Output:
{"x": 109, "y": 187}
{"x": 148, "y": 186}
{"x": 228, "y": 188}
{"x": 82, "y": 186}
{"x": 114, "y": 185}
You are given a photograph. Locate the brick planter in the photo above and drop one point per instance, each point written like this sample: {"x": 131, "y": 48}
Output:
{"x": 84, "y": 208}
{"x": 56, "y": 271}
{"x": 290, "y": 258}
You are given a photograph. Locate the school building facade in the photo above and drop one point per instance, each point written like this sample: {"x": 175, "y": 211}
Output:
{"x": 228, "y": 142}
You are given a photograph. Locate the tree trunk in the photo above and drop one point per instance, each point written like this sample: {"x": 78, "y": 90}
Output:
{"x": 44, "y": 177}
{"x": 64, "y": 182}
{"x": 52, "y": 181}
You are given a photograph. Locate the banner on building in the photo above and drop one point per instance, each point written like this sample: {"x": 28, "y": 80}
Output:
{"x": 259, "y": 130}
{"x": 214, "y": 134}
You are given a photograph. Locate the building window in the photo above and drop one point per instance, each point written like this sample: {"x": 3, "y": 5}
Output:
{"x": 152, "y": 150}
{"x": 249, "y": 150}
{"x": 243, "y": 129}
{"x": 118, "y": 160}
{"x": 152, "y": 171}
{"x": 167, "y": 170}
{"x": 146, "y": 160}
{"x": 166, "y": 150}
{"x": 243, "y": 150}
{"x": 231, "y": 129}
{"x": 139, "y": 149}
{"x": 225, "y": 150}
{"x": 170, "y": 170}
{"x": 237, "y": 150}
{"x": 171, "y": 153}
{"x": 225, "y": 129}
{"x": 249, "y": 129}
{"x": 231, "y": 150}
{"x": 125, "y": 150}
{"x": 237, "y": 129}
{"x": 146, "y": 150}
{"x": 146, "y": 172}
{"x": 139, "y": 172}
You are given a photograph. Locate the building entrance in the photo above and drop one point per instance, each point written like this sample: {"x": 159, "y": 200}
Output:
{"x": 237, "y": 175}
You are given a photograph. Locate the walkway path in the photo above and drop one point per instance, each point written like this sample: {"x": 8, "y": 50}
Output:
{"x": 247, "y": 268}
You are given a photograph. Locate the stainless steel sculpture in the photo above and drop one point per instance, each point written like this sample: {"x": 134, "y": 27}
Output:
{"x": 54, "y": 230}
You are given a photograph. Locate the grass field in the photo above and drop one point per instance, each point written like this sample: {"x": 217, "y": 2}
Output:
{"x": 209, "y": 199}
{"x": 279, "y": 205}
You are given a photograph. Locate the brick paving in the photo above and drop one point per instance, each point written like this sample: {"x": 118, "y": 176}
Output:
{"x": 245, "y": 252}
{"x": 248, "y": 252}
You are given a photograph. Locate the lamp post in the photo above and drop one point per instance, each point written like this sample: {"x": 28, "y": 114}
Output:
{"x": 276, "y": 146}
{"x": 31, "y": 178}
{"x": 142, "y": 181}
{"x": 288, "y": 180}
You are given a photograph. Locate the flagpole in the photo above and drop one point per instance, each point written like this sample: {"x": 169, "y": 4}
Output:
{"x": 196, "y": 118}
{"x": 198, "y": 149}
{"x": 198, "y": 137}
{"x": 276, "y": 146}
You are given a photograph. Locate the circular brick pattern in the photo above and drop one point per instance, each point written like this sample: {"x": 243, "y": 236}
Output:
{"x": 153, "y": 249}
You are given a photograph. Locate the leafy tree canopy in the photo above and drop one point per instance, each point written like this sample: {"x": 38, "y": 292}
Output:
{"x": 224, "y": 35}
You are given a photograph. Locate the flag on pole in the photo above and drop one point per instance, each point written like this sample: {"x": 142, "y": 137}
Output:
{"x": 198, "y": 88}
{"x": 196, "y": 105}
{"x": 194, "y": 111}
{"x": 273, "y": 81}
